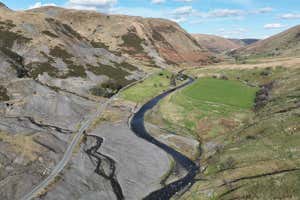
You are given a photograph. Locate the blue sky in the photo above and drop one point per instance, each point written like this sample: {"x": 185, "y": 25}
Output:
{"x": 228, "y": 18}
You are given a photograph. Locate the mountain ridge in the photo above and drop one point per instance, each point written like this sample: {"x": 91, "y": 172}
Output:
{"x": 286, "y": 43}
{"x": 153, "y": 39}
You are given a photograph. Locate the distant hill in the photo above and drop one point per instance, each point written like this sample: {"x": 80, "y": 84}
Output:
{"x": 244, "y": 42}
{"x": 286, "y": 43}
{"x": 217, "y": 44}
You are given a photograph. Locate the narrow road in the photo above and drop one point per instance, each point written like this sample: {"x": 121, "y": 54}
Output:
{"x": 138, "y": 127}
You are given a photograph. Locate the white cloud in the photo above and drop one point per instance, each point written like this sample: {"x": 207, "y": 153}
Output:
{"x": 140, "y": 11}
{"x": 93, "y": 2}
{"x": 179, "y": 19}
{"x": 232, "y": 33}
{"x": 290, "y": 16}
{"x": 158, "y": 1}
{"x": 99, "y": 5}
{"x": 185, "y": 10}
{"x": 244, "y": 3}
{"x": 273, "y": 26}
{"x": 225, "y": 13}
{"x": 181, "y": 14}
{"x": 82, "y": 7}
{"x": 40, "y": 4}
{"x": 264, "y": 10}
{"x": 229, "y": 13}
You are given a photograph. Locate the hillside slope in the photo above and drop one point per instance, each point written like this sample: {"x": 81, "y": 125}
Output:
{"x": 286, "y": 43}
{"x": 216, "y": 44}
{"x": 55, "y": 54}
{"x": 153, "y": 41}
{"x": 50, "y": 78}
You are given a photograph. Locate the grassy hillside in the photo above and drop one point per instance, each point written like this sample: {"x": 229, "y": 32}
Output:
{"x": 260, "y": 159}
{"x": 149, "y": 88}
{"x": 286, "y": 43}
{"x": 247, "y": 152}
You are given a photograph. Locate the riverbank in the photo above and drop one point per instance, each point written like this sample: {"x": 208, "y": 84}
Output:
{"x": 256, "y": 158}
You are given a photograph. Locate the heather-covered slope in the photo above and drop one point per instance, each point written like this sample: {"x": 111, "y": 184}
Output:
{"x": 286, "y": 43}
{"x": 216, "y": 44}
{"x": 153, "y": 41}
{"x": 54, "y": 53}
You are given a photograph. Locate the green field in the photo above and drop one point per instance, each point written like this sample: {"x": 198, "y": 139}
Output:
{"x": 207, "y": 107}
{"x": 149, "y": 88}
{"x": 231, "y": 93}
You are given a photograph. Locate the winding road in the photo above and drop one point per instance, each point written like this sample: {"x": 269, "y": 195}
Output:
{"x": 138, "y": 127}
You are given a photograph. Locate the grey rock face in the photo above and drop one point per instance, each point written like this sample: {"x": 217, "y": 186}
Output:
{"x": 36, "y": 125}
{"x": 47, "y": 106}
{"x": 138, "y": 166}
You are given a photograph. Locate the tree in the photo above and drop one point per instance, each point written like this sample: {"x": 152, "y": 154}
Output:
{"x": 173, "y": 80}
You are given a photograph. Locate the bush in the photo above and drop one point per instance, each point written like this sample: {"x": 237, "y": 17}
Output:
{"x": 229, "y": 163}
{"x": 98, "y": 44}
{"x": 107, "y": 89}
{"x": 131, "y": 40}
{"x": 3, "y": 94}
{"x": 50, "y": 34}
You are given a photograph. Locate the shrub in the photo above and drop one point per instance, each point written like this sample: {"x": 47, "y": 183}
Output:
{"x": 39, "y": 68}
{"x": 133, "y": 42}
{"x": 106, "y": 89}
{"x": 50, "y": 34}
{"x": 229, "y": 163}
{"x": 3, "y": 94}
{"x": 59, "y": 52}
{"x": 99, "y": 44}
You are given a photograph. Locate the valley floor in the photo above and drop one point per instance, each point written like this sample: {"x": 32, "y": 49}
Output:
{"x": 249, "y": 150}
{"x": 239, "y": 123}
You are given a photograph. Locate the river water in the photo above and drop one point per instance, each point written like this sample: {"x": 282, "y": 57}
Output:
{"x": 138, "y": 127}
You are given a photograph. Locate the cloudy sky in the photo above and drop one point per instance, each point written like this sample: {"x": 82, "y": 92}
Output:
{"x": 228, "y": 18}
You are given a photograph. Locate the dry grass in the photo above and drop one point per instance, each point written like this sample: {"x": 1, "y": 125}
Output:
{"x": 22, "y": 144}
{"x": 260, "y": 159}
{"x": 288, "y": 62}
{"x": 107, "y": 116}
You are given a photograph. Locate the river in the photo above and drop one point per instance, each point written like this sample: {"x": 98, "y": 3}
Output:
{"x": 138, "y": 127}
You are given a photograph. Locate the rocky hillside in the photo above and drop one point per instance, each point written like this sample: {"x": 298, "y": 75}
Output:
{"x": 286, "y": 43}
{"x": 55, "y": 54}
{"x": 54, "y": 65}
{"x": 156, "y": 42}
{"x": 64, "y": 48}
{"x": 217, "y": 44}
